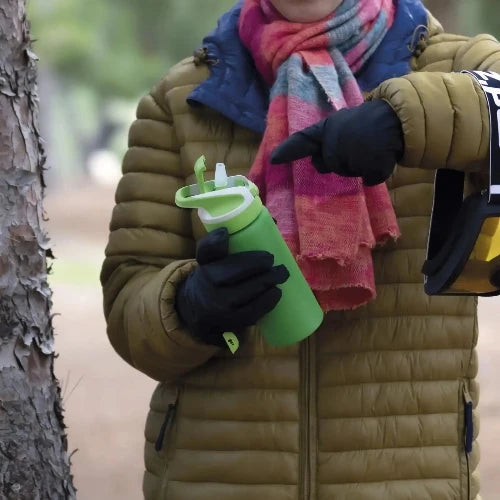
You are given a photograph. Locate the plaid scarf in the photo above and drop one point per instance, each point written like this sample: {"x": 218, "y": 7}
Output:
{"x": 330, "y": 223}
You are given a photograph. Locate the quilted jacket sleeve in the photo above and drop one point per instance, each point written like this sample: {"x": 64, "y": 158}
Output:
{"x": 150, "y": 251}
{"x": 444, "y": 113}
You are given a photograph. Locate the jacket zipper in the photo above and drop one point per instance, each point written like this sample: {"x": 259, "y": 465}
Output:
{"x": 304, "y": 457}
{"x": 468, "y": 432}
{"x": 169, "y": 417}
{"x": 165, "y": 428}
{"x": 307, "y": 457}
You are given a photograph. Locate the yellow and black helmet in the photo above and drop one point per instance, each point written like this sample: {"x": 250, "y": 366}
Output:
{"x": 463, "y": 254}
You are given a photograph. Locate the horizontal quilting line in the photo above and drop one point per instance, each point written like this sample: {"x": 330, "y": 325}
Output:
{"x": 156, "y": 476}
{"x": 238, "y": 450}
{"x": 128, "y": 192}
{"x": 138, "y": 119}
{"x": 126, "y": 213}
{"x": 151, "y": 98}
{"x": 419, "y": 480}
{"x": 152, "y": 443}
{"x": 253, "y": 356}
{"x": 184, "y": 86}
{"x": 406, "y": 350}
{"x": 145, "y": 253}
{"x": 376, "y": 382}
{"x": 153, "y": 148}
{"x": 150, "y": 266}
{"x": 243, "y": 389}
{"x": 236, "y": 484}
{"x": 364, "y": 417}
{"x": 394, "y": 448}
{"x": 135, "y": 144}
{"x": 232, "y": 143}
{"x": 389, "y": 252}
{"x": 148, "y": 469}
{"x": 127, "y": 224}
{"x": 398, "y": 316}
{"x": 146, "y": 200}
{"x": 148, "y": 441}
{"x": 429, "y": 182}
{"x": 211, "y": 112}
{"x": 132, "y": 177}
{"x": 189, "y": 112}
{"x": 158, "y": 412}
{"x": 165, "y": 233}
{"x": 336, "y": 419}
{"x": 141, "y": 169}
{"x": 208, "y": 112}
{"x": 239, "y": 421}
{"x": 131, "y": 224}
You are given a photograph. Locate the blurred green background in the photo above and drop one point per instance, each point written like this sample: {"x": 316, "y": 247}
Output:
{"x": 97, "y": 58}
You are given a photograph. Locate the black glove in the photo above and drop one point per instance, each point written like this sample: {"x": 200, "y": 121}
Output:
{"x": 227, "y": 293}
{"x": 365, "y": 141}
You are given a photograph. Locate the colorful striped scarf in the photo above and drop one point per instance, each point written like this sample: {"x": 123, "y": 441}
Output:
{"x": 330, "y": 223}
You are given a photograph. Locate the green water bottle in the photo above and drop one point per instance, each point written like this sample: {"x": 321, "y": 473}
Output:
{"x": 234, "y": 203}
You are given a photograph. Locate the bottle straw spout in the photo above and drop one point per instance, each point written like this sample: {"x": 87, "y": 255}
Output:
{"x": 199, "y": 169}
{"x": 220, "y": 176}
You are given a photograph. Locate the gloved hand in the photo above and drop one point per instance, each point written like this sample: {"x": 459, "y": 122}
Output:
{"x": 365, "y": 141}
{"x": 227, "y": 293}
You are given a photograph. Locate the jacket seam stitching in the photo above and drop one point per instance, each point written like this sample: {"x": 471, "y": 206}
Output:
{"x": 394, "y": 481}
{"x": 399, "y": 316}
{"x": 168, "y": 113}
{"x": 392, "y": 448}
{"x": 239, "y": 483}
{"x": 447, "y": 413}
{"x": 236, "y": 421}
{"x": 239, "y": 450}
{"x": 406, "y": 350}
{"x": 409, "y": 381}
{"x": 426, "y": 127}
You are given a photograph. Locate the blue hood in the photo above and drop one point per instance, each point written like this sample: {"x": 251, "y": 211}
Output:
{"x": 235, "y": 89}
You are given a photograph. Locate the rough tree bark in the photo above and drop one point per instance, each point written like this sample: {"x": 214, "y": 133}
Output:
{"x": 34, "y": 464}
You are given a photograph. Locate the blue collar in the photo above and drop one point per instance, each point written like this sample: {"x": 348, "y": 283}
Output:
{"x": 235, "y": 89}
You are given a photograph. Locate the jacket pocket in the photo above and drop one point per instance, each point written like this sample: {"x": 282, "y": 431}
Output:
{"x": 165, "y": 427}
{"x": 165, "y": 442}
{"x": 467, "y": 438}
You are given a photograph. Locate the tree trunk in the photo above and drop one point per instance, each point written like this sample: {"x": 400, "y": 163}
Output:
{"x": 34, "y": 464}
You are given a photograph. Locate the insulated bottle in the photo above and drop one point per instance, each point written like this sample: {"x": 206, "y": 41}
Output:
{"x": 234, "y": 203}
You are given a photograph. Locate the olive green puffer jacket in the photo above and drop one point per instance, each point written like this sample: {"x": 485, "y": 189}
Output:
{"x": 372, "y": 405}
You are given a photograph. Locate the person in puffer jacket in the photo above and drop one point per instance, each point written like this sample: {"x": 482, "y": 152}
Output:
{"x": 341, "y": 112}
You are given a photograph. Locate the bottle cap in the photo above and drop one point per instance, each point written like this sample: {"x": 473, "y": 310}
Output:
{"x": 230, "y": 202}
